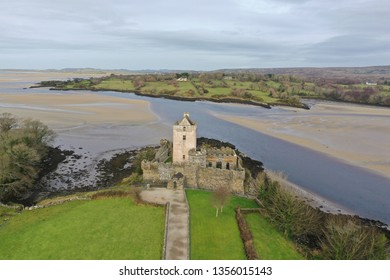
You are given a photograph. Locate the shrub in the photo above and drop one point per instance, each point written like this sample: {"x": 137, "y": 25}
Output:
{"x": 110, "y": 194}
{"x": 246, "y": 236}
{"x": 144, "y": 154}
{"x": 346, "y": 238}
{"x": 23, "y": 146}
{"x": 289, "y": 214}
{"x": 134, "y": 178}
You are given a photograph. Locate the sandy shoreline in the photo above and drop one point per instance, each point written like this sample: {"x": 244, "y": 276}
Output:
{"x": 310, "y": 198}
{"x": 358, "y": 135}
{"x": 34, "y": 76}
{"x": 94, "y": 126}
{"x": 77, "y": 109}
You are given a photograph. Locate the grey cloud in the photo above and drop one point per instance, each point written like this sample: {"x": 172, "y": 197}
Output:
{"x": 349, "y": 50}
{"x": 205, "y": 34}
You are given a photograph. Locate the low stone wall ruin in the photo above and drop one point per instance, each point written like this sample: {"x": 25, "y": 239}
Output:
{"x": 195, "y": 176}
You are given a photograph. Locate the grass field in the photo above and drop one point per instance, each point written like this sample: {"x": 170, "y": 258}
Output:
{"x": 113, "y": 228}
{"x": 214, "y": 238}
{"x": 243, "y": 88}
{"x": 269, "y": 243}
{"x": 116, "y": 84}
{"x": 6, "y": 214}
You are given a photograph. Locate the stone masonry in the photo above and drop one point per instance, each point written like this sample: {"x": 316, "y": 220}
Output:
{"x": 203, "y": 168}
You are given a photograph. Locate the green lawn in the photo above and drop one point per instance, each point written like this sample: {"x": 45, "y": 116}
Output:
{"x": 214, "y": 238}
{"x": 185, "y": 86}
{"x": 269, "y": 243}
{"x": 116, "y": 84}
{"x": 97, "y": 229}
{"x": 158, "y": 87}
{"x": 6, "y": 214}
{"x": 218, "y": 91}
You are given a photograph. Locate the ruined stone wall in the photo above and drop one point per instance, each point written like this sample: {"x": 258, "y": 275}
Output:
{"x": 223, "y": 159}
{"x": 156, "y": 172}
{"x": 164, "y": 151}
{"x": 195, "y": 176}
{"x": 214, "y": 178}
{"x": 191, "y": 172}
{"x": 198, "y": 158}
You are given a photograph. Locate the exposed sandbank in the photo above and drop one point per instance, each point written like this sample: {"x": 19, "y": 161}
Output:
{"x": 33, "y": 76}
{"x": 356, "y": 134}
{"x": 77, "y": 109}
{"x": 94, "y": 126}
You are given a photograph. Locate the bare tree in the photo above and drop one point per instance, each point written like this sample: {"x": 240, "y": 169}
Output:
{"x": 290, "y": 214}
{"x": 220, "y": 198}
{"x": 346, "y": 239}
{"x": 139, "y": 82}
{"x": 7, "y": 122}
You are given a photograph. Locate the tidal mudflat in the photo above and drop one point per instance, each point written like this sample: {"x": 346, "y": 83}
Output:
{"x": 357, "y": 134}
{"x": 95, "y": 127}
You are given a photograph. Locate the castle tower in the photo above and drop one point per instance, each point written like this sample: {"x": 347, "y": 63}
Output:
{"x": 184, "y": 139}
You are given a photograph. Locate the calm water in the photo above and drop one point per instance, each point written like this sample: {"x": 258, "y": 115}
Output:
{"x": 354, "y": 188}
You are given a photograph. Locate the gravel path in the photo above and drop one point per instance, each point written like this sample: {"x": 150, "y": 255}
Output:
{"x": 177, "y": 243}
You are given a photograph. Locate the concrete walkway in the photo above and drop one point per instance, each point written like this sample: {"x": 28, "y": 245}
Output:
{"x": 177, "y": 243}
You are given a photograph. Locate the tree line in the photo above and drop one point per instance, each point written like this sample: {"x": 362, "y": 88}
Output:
{"x": 321, "y": 235}
{"x": 287, "y": 88}
{"x": 23, "y": 146}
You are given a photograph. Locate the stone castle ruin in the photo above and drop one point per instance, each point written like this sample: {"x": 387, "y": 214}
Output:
{"x": 183, "y": 164}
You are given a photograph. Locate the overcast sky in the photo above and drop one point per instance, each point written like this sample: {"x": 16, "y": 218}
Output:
{"x": 193, "y": 34}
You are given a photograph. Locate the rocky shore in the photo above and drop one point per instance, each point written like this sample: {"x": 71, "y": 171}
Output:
{"x": 66, "y": 172}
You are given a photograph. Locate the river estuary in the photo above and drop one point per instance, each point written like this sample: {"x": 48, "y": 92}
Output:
{"x": 357, "y": 189}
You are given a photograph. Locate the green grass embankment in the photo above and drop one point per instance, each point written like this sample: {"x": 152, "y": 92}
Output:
{"x": 113, "y": 228}
{"x": 269, "y": 243}
{"x": 215, "y": 238}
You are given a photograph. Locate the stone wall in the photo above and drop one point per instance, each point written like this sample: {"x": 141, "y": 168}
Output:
{"x": 197, "y": 157}
{"x": 214, "y": 178}
{"x": 195, "y": 176}
{"x": 156, "y": 172}
{"x": 226, "y": 161}
{"x": 164, "y": 151}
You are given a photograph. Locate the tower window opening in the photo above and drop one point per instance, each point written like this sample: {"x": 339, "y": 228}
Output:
{"x": 227, "y": 166}
{"x": 184, "y": 156}
{"x": 184, "y": 137}
{"x": 219, "y": 165}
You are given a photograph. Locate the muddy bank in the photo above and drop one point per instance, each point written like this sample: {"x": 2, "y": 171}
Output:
{"x": 48, "y": 165}
{"x": 60, "y": 167}
{"x": 354, "y": 134}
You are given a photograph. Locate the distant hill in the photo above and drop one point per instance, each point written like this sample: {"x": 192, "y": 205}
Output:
{"x": 374, "y": 72}
{"x": 319, "y": 72}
